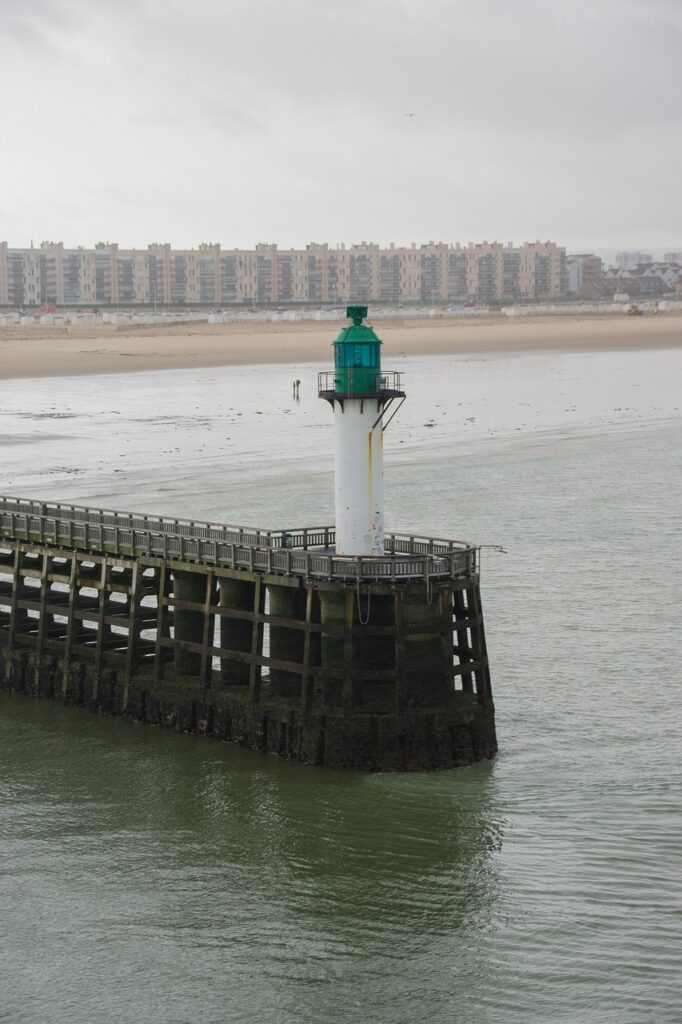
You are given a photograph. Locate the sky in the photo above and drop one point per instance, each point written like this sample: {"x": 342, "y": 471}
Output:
{"x": 291, "y": 121}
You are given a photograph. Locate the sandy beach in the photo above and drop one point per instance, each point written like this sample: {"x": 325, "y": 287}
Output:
{"x": 46, "y": 352}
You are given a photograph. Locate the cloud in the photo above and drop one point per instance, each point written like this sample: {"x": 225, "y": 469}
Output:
{"x": 525, "y": 114}
{"x": 38, "y": 23}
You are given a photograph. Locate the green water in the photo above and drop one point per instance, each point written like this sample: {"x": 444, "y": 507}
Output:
{"x": 156, "y": 877}
{"x": 150, "y": 878}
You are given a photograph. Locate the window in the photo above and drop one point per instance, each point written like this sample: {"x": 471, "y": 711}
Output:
{"x": 359, "y": 355}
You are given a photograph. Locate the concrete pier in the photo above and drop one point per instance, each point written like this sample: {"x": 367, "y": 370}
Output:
{"x": 265, "y": 639}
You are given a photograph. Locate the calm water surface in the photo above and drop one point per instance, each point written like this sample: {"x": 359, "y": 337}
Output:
{"x": 149, "y": 877}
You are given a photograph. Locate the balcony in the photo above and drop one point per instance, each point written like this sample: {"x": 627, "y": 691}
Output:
{"x": 359, "y": 382}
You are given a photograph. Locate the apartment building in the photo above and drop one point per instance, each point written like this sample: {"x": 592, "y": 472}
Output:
{"x": 542, "y": 271}
{"x": 436, "y": 272}
{"x": 21, "y": 276}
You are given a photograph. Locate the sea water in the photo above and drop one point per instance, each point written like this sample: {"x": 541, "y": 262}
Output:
{"x": 150, "y": 877}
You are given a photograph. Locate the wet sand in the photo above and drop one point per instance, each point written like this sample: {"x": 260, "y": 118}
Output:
{"x": 50, "y": 352}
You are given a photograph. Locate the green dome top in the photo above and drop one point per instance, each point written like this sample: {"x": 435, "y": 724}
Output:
{"x": 357, "y": 332}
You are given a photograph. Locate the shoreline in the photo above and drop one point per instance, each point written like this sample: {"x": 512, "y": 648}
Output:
{"x": 87, "y": 351}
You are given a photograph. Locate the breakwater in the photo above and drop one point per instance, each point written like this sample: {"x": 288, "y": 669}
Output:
{"x": 265, "y": 638}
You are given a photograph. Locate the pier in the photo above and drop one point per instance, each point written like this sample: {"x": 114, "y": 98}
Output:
{"x": 270, "y": 639}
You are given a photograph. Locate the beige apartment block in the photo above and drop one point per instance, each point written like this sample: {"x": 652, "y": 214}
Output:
{"x": 437, "y": 272}
{"x": 106, "y": 273}
{"x": 365, "y": 272}
{"x": 52, "y": 274}
{"x": 67, "y": 276}
{"x": 30, "y": 279}
{"x": 317, "y": 272}
{"x": 287, "y": 275}
{"x": 247, "y": 276}
{"x": 410, "y": 274}
{"x": 133, "y": 276}
{"x": 49, "y": 274}
{"x": 20, "y": 276}
{"x": 338, "y": 275}
{"x": 209, "y": 272}
{"x": 435, "y": 267}
{"x": 160, "y": 273}
{"x": 485, "y": 271}
{"x": 542, "y": 271}
{"x": 456, "y": 284}
{"x": 79, "y": 276}
{"x": 266, "y": 274}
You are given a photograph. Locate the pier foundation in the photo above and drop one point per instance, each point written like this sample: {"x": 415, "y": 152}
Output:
{"x": 237, "y": 634}
{"x": 372, "y": 674}
{"x": 189, "y": 588}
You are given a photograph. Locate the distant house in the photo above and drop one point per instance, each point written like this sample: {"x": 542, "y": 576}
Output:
{"x": 646, "y": 280}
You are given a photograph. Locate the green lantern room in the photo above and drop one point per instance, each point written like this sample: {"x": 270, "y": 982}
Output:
{"x": 357, "y": 356}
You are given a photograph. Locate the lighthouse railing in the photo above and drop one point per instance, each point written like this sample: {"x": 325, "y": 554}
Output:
{"x": 362, "y": 382}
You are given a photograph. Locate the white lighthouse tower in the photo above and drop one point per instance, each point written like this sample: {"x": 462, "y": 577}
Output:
{"x": 360, "y": 393}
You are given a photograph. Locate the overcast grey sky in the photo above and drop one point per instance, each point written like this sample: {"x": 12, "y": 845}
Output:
{"x": 239, "y": 121}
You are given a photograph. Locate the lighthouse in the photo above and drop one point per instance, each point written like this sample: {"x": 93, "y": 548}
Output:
{"x": 360, "y": 394}
{"x": 358, "y": 657}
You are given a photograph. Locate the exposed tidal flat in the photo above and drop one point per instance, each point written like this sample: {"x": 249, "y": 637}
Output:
{"x": 38, "y": 351}
{"x": 152, "y": 877}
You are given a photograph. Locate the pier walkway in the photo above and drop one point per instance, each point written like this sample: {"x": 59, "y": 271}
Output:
{"x": 307, "y": 553}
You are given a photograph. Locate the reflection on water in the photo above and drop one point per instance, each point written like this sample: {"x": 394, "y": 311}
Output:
{"x": 137, "y": 843}
{"x": 151, "y": 877}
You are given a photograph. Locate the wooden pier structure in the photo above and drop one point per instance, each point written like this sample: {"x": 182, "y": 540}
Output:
{"x": 264, "y": 638}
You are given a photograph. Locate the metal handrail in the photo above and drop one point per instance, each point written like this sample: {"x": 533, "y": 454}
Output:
{"x": 388, "y": 381}
{"x": 304, "y": 552}
{"x": 294, "y": 537}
